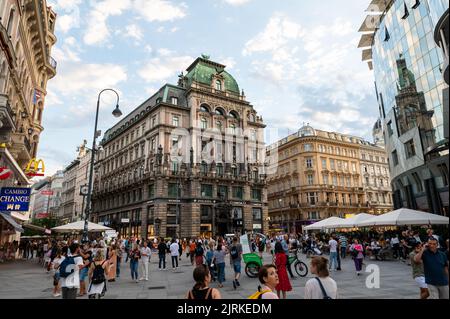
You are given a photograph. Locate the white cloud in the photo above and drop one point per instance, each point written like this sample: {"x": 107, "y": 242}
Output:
{"x": 237, "y": 2}
{"x": 164, "y": 67}
{"x": 72, "y": 17}
{"x": 134, "y": 31}
{"x": 160, "y": 29}
{"x": 174, "y": 29}
{"x": 148, "y": 49}
{"x": 160, "y": 10}
{"x": 69, "y": 50}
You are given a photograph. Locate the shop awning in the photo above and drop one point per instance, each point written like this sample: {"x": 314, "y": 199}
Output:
{"x": 7, "y": 217}
{"x": 34, "y": 227}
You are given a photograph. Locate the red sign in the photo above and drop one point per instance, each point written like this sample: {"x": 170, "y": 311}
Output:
{"x": 41, "y": 215}
{"x": 5, "y": 173}
{"x": 47, "y": 192}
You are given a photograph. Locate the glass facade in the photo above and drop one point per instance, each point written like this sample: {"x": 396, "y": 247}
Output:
{"x": 407, "y": 70}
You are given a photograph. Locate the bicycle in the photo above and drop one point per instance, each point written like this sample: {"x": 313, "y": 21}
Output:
{"x": 300, "y": 267}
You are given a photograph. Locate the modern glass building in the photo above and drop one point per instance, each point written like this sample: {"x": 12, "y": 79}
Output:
{"x": 399, "y": 44}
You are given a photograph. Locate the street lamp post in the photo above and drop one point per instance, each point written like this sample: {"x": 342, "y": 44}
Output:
{"x": 88, "y": 208}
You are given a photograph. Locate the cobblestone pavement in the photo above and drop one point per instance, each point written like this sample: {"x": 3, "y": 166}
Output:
{"x": 26, "y": 279}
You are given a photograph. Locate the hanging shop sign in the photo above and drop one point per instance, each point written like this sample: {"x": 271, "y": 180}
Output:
{"x": 14, "y": 199}
{"x": 5, "y": 173}
{"x": 35, "y": 167}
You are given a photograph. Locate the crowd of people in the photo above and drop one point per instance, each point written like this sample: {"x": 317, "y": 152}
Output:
{"x": 88, "y": 268}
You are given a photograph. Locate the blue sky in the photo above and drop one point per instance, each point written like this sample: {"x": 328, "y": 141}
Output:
{"x": 297, "y": 61}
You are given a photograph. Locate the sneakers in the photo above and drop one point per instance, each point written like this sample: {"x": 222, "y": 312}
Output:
{"x": 136, "y": 281}
{"x": 237, "y": 283}
{"x": 56, "y": 295}
{"x": 146, "y": 279}
{"x": 234, "y": 284}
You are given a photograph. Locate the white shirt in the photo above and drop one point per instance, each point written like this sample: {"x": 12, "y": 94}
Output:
{"x": 73, "y": 280}
{"x": 333, "y": 246}
{"x": 147, "y": 251}
{"x": 395, "y": 241}
{"x": 313, "y": 291}
{"x": 56, "y": 262}
{"x": 174, "y": 249}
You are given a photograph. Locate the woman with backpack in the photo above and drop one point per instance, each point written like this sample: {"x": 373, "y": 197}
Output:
{"x": 97, "y": 276}
{"x": 201, "y": 289}
{"x": 199, "y": 252}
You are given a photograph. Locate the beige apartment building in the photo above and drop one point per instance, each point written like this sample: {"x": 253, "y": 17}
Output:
{"x": 26, "y": 40}
{"x": 319, "y": 175}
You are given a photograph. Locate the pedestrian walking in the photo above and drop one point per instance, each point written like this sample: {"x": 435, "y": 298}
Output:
{"x": 119, "y": 252}
{"x": 199, "y": 252}
{"x": 134, "y": 256}
{"x": 201, "y": 289}
{"x": 332, "y": 243}
{"x": 87, "y": 259}
{"x": 219, "y": 261}
{"x": 192, "y": 247}
{"x": 357, "y": 254}
{"x": 235, "y": 261}
{"x": 56, "y": 263}
{"x": 284, "y": 244}
{"x": 284, "y": 284}
{"x": 145, "y": 259}
{"x": 112, "y": 263}
{"x": 435, "y": 265}
{"x": 162, "y": 251}
{"x": 343, "y": 243}
{"x": 174, "y": 254}
{"x": 209, "y": 261}
{"x": 418, "y": 272}
{"x": 322, "y": 286}
{"x": 70, "y": 272}
{"x": 97, "y": 276}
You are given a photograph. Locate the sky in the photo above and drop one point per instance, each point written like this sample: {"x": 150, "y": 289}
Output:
{"x": 297, "y": 61}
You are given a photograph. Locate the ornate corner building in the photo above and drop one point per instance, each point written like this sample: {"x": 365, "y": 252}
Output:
{"x": 189, "y": 161}
{"x": 26, "y": 39}
{"x": 319, "y": 174}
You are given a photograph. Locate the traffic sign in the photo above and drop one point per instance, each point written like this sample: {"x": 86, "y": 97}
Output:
{"x": 47, "y": 192}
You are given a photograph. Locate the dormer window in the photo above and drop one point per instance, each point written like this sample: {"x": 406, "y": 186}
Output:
{"x": 218, "y": 85}
{"x": 174, "y": 100}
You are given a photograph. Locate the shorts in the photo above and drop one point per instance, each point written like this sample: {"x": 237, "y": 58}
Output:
{"x": 56, "y": 279}
{"x": 421, "y": 282}
{"x": 237, "y": 267}
{"x": 83, "y": 274}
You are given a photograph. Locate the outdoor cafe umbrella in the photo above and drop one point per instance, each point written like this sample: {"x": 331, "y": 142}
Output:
{"x": 405, "y": 216}
{"x": 324, "y": 224}
{"x": 352, "y": 221}
{"x": 79, "y": 226}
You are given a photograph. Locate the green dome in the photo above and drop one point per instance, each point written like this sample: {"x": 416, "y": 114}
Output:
{"x": 203, "y": 70}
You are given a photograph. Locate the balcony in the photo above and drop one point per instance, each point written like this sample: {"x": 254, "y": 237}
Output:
{"x": 6, "y": 114}
{"x": 51, "y": 63}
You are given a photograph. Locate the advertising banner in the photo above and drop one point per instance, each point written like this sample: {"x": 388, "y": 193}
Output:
{"x": 14, "y": 199}
{"x": 245, "y": 244}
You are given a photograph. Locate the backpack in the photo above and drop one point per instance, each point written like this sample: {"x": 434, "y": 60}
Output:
{"x": 234, "y": 252}
{"x": 258, "y": 294}
{"x": 199, "y": 251}
{"x": 98, "y": 275}
{"x": 66, "y": 268}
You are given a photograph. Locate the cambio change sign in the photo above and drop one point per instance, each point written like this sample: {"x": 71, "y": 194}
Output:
{"x": 14, "y": 199}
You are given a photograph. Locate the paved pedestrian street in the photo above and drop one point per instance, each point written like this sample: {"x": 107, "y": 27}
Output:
{"x": 26, "y": 279}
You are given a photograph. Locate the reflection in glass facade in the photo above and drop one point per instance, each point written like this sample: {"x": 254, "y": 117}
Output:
{"x": 403, "y": 50}
{"x": 410, "y": 61}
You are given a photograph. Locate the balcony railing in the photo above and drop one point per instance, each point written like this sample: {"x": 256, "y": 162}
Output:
{"x": 52, "y": 62}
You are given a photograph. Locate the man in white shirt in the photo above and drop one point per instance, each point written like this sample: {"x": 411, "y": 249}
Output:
{"x": 174, "y": 253}
{"x": 145, "y": 258}
{"x": 333, "y": 252}
{"x": 71, "y": 283}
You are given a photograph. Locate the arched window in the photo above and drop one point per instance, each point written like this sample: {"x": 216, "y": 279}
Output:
{"x": 234, "y": 115}
{"x": 218, "y": 85}
{"x": 220, "y": 111}
{"x": 203, "y": 124}
{"x": 204, "y": 108}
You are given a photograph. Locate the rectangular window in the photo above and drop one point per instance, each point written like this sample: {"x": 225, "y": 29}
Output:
{"x": 332, "y": 166}
{"x": 238, "y": 192}
{"x": 312, "y": 198}
{"x": 222, "y": 192}
{"x": 174, "y": 100}
{"x": 256, "y": 194}
{"x": 325, "y": 179}
{"x": 354, "y": 167}
{"x": 309, "y": 162}
{"x": 335, "y": 183}
{"x": 175, "y": 120}
{"x": 324, "y": 163}
{"x": 444, "y": 173}
{"x": 310, "y": 179}
{"x": 308, "y": 147}
{"x": 151, "y": 190}
{"x": 173, "y": 190}
{"x": 207, "y": 190}
{"x": 410, "y": 150}
{"x": 257, "y": 214}
{"x": 389, "y": 128}
{"x": 394, "y": 158}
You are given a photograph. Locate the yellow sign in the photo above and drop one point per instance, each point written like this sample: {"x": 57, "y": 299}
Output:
{"x": 349, "y": 215}
{"x": 33, "y": 168}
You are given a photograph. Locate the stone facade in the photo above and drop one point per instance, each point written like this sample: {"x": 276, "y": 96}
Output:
{"x": 316, "y": 174}
{"x": 187, "y": 162}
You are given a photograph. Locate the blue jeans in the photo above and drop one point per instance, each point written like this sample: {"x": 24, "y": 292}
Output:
{"x": 134, "y": 269}
{"x": 333, "y": 260}
{"x": 162, "y": 260}
{"x": 221, "y": 272}
{"x": 343, "y": 252}
{"x": 119, "y": 259}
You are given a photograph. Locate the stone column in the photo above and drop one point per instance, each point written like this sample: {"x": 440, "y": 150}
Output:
{"x": 144, "y": 212}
